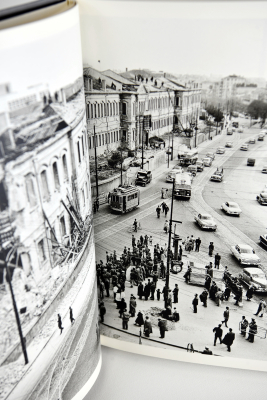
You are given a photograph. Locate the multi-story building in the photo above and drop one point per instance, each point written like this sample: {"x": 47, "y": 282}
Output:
{"x": 227, "y": 86}
{"x": 45, "y": 184}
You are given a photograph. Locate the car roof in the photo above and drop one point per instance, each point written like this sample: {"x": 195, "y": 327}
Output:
{"x": 245, "y": 246}
{"x": 252, "y": 270}
{"x": 205, "y": 215}
{"x": 232, "y": 203}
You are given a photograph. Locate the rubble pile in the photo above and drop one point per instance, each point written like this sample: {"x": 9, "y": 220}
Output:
{"x": 154, "y": 313}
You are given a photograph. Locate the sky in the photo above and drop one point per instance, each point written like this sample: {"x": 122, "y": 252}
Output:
{"x": 218, "y": 38}
{"x": 42, "y": 52}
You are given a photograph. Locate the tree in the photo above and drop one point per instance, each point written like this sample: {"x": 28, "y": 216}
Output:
{"x": 115, "y": 159}
{"x": 258, "y": 109}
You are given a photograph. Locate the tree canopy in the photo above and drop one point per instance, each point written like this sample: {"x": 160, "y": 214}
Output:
{"x": 257, "y": 109}
{"x": 215, "y": 112}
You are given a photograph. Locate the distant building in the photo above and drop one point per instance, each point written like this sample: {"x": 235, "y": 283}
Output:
{"x": 227, "y": 87}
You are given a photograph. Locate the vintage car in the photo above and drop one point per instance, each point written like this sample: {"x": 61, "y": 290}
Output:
{"x": 251, "y": 162}
{"x": 217, "y": 176}
{"x": 192, "y": 169}
{"x": 200, "y": 166}
{"x": 178, "y": 168}
{"x": 262, "y": 198}
{"x": 205, "y": 221}
{"x": 255, "y": 277}
{"x": 230, "y": 131}
{"x": 264, "y": 169}
{"x": 143, "y": 177}
{"x": 261, "y": 137}
{"x": 172, "y": 174}
{"x": 207, "y": 162}
{"x": 244, "y": 147}
{"x": 220, "y": 150}
{"x": 211, "y": 155}
{"x": 263, "y": 239}
{"x": 229, "y": 144}
{"x": 245, "y": 254}
{"x": 231, "y": 208}
{"x": 252, "y": 141}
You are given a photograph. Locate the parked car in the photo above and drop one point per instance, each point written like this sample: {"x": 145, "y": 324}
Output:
{"x": 263, "y": 239}
{"x": 244, "y": 147}
{"x": 252, "y": 141}
{"x": 220, "y": 150}
{"x": 230, "y": 131}
{"x": 229, "y": 144}
{"x": 171, "y": 175}
{"x": 262, "y": 198}
{"x": 205, "y": 221}
{"x": 178, "y": 168}
{"x": 261, "y": 137}
{"x": 245, "y": 254}
{"x": 207, "y": 162}
{"x": 235, "y": 124}
{"x": 264, "y": 169}
{"x": 199, "y": 165}
{"x": 217, "y": 176}
{"x": 211, "y": 155}
{"x": 255, "y": 277}
{"x": 143, "y": 177}
{"x": 251, "y": 162}
{"x": 231, "y": 208}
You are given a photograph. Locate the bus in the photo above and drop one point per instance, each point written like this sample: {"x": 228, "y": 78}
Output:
{"x": 124, "y": 198}
{"x": 188, "y": 157}
{"x": 182, "y": 186}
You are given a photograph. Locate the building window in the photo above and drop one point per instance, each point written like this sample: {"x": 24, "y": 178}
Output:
{"x": 41, "y": 251}
{"x": 30, "y": 191}
{"x": 83, "y": 198}
{"x": 95, "y": 110}
{"x": 65, "y": 167}
{"x": 56, "y": 176}
{"x": 103, "y": 139}
{"x": 124, "y": 109}
{"x": 88, "y": 110}
{"x": 82, "y": 145}
{"x": 86, "y": 190}
{"x": 62, "y": 227}
{"x": 44, "y": 182}
{"x": 98, "y": 106}
{"x": 78, "y": 150}
{"x": 99, "y": 140}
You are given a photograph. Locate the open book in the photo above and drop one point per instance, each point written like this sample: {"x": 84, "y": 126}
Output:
{"x": 98, "y": 162}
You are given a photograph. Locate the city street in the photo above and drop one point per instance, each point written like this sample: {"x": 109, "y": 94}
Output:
{"x": 241, "y": 184}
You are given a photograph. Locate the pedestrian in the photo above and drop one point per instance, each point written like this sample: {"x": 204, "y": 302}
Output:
{"x": 227, "y": 293}
{"x": 218, "y": 334}
{"x": 163, "y": 205}
{"x": 102, "y": 310}
{"x": 229, "y": 339}
{"x": 140, "y": 319}
{"x": 195, "y": 303}
{"x": 122, "y": 306}
{"x": 250, "y": 292}
{"x": 162, "y": 328}
{"x": 198, "y": 243}
{"x": 133, "y": 241}
{"x": 150, "y": 240}
{"x": 175, "y": 315}
{"x": 226, "y": 315}
{"x": 211, "y": 248}
{"x": 207, "y": 351}
{"x": 158, "y": 294}
{"x": 166, "y": 210}
{"x": 261, "y": 308}
{"x": 253, "y": 330}
{"x": 107, "y": 285}
{"x": 101, "y": 289}
{"x": 217, "y": 260}
{"x": 243, "y": 326}
{"x": 175, "y": 293}
{"x": 204, "y": 297}
{"x": 135, "y": 225}
{"x": 59, "y": 323}
{"x": 180, "y": 252}
{"x": 152, "y": 290}
{"x": 147, "y": 327}
{"x": 162, "y": 193}
{"x": 97, "y": 204}
{"x": 132, "y": 305}
{"x": 71, "y": 316}
{"x": 140, "y": 290}
{"x": 125, "y": 319}
{"x": 158, "y": 211}
{"x": 166, "y": 226}
{"x": 187, "y": 275}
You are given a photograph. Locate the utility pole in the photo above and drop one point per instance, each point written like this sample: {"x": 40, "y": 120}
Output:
{"x": 167, "y": 284}
{"x": 142, "y": 133}
{"x": 22, "y": 340}
{"x": 96, "y": 173}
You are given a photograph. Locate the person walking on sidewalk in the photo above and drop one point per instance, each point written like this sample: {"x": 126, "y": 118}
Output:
{"x": 162, "y": 328}
{"x": 158, "y": 211}
{"x": 135, "y": 225}
{"x": 211, "y": 248}
{"x": 261, "y": 308}
{"x": 59, "y": 323}
{"x": 125, "y": 319}
{"x": 226, "y": 315}
{"x": 166, "y": 210}
{"x": 218, "y": 334}
{"x": 198, "y": 243}
{"x": 175, "y": 293}
{"x": 102, "y": 310}
{"x": 147, "y": 327}
{"x": 253, "y": 329}
{"x": 132, "y": 305}
{"x": 217, "y": 260}
{"x": 71, "y": 316}
{"x": 229, "y": 339}
{"x": 195, "y": 303}
{"x": 180, "y": 253}
{"x": 243, "y": 326}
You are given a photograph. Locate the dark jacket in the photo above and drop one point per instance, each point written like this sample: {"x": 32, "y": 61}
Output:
{"x": 218, "y": 331}
{"x": 229, "y": 338}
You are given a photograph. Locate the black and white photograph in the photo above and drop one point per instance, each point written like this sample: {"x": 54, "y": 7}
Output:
{"x": 176, "y": 110}
{"x": 49, "y": 310}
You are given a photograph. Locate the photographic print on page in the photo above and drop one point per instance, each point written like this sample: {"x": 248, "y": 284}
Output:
{"x": 46, "y": 235}
{"x": 176, "y": 104}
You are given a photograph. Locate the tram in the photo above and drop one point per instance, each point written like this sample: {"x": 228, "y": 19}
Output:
{"x": 124, "y": 198}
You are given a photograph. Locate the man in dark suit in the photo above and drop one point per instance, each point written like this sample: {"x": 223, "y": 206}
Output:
{"x": 162, "y": 328}
{"x": 175, "y": 293}
{"x": 229, "y": 339}
{"x": 218, "y": 334}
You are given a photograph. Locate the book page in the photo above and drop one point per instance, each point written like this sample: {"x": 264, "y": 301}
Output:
{"x": 176, "y": 108}
{"x": 50, "y": 345}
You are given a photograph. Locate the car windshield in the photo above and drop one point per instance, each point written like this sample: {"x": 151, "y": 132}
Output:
{"x": 205, "y": 217}
{"x": 233, "y": 205}
{"x": 248, "y": 251}
{"x": 142, "y": 174}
